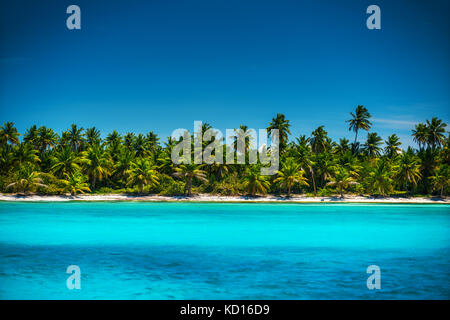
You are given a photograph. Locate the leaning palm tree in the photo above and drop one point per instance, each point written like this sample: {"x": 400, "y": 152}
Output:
{"x": 392, "y": 146}
{"x": 254, "y": 182}
{"x": 8, "y": 133}
{"x": 409, "y": 169}
{"x": 27, "y": 178}
{"x": 282, "y": 124}
{"x": 360, "y": 120}
{"x": 76, "y": 183}
{"x": 189, "y": 172}
{"x": 142, "y": 173}
{"x": 342, "y": 179}
{"x": 98, "y": 164}
{"x": 290, "y": 174}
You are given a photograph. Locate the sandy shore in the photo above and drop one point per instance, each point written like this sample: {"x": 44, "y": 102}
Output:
{"x": 214, "y": 198}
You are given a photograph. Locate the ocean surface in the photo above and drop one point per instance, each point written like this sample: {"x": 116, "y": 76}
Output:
{"x": 137, "y": 250}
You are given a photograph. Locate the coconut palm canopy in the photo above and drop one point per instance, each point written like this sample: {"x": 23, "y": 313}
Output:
{"x": 79, "y": 160}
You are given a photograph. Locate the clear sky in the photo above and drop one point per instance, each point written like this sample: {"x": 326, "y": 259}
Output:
{"x": 161, "y": 64}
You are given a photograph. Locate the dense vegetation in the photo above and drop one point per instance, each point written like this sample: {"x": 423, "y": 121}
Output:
{"x": 81, "y": 161}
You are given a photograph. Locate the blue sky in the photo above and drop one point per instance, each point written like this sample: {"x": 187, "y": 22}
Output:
{"x": 161, "y": 64}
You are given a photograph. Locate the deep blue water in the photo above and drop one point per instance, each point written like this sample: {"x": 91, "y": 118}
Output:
{"x": 135, "y": 250}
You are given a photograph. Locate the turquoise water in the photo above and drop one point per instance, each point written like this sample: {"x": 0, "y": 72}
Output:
{"x": 138, "y": 250}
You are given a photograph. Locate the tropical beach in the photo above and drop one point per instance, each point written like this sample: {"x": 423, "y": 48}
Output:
{"x": 224, "y": 150}
{"x": 237, "y": 199}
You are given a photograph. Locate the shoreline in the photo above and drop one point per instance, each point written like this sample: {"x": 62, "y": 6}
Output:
{"x": 222, "y": 199}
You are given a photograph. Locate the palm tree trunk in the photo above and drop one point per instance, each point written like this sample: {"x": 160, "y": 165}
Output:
{"x": 340, "y": 190}
{"x": 189, "y": 186}
{"x": 356, "y": 136}
{"x": 289, "y": 190}
{"x": 313, "y": 180}
{"x": 442, "y": 191}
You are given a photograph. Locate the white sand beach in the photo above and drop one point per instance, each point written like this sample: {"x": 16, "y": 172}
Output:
{"x": 217, "y": 198}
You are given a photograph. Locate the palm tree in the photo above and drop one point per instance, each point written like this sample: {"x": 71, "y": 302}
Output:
{"x": 76, "y": 182}
{"x": 360, "y": 120}
{"x": 319, "y": 140}
{"x": 23, "y": 153}
{"x": 380, "y": 178}
{"x": 122, "y": 166}
{"x": 92, "y": 136}
{"x": 75, "y": 137}
{"x": 27, "y": 178}
{"x": 436, "y": 133}
{"x": 254, "y": 182}
{"x": 128, "y": 140}
{"x": 372, "y": 147}
{"x": 342, "y": 179}
{"x": 46, "y": 138}
{"x": 290, "y": 174}
{"x": 113, "y": 138}
{"x": 65, "y": 162}
{"x": 420, "y": 135}
{"x": 441, "y": 179}
{"x": 303, "y": 155}
{"x": 142, "y": 173}
{"x": 98, "y": 164}
{"x": 152, "y": 140}
{"x": 8, "y": 133}
{"x": 31, "y": 136}
{"x": 409, "y": 169}
{"x": 282, "y": 125}
{"x": 392, "y": 146}
{"x": 188, "y": 172}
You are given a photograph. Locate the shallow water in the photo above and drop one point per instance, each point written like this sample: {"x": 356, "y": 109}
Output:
{"x": 136, "y": 250}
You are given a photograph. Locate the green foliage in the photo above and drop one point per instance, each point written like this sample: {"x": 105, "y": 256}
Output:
{"x": 79, "y": 161}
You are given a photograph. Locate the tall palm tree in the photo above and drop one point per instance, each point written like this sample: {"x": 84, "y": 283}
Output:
{"x": 360, "y": 120}
{"x": 303, "y": 155}
{"x": 75, "y": 137}
{"x": 290, "y": 174}
{"x": 319, "y": 140}
{"x": 392, "y": 146}
{"x": 31, "y": 136}
{"x": 409, "y": 169}
{"x": 436, "y": 132}
{"x": 122, "y": 166}
{"x": 254, "y": 182}
{"x": 46, "y": 139}
{"x": 342, "y": 179}
{"x": 8, "y": 133}
{"x": 420, "y": 135}
{"x": 98, "y": 164}
{"x": 282, "y": 124}
{"x": 128, "y": 140}
{"x": 92, "y": 136}
{"x": 188, "y": 172}
{"x": 372, "y": 147}
{"x": 142, "y": 173}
